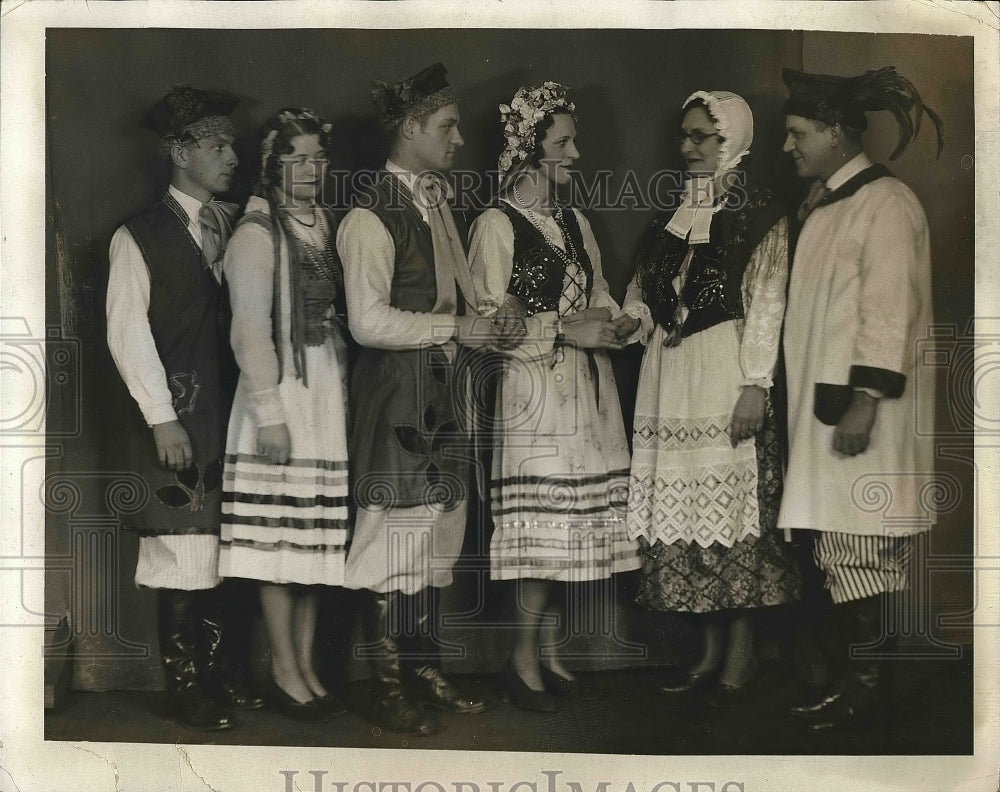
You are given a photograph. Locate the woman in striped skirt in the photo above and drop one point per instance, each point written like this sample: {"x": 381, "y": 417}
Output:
{"x": 560, "y": 469}
{"x": 285, "y": 517}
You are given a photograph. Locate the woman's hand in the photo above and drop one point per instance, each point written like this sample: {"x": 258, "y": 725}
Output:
{"x": 748, "y": 414}
{"x": 592, "y": 334}
{"x": 275, "y": 443}
{"x": 625, "y": 326}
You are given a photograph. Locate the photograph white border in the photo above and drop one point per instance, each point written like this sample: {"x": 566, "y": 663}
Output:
{"x": 30, "y": 764}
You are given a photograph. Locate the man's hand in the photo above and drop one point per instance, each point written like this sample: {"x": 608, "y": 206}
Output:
{"x": 852, "y": 433}
{"x": 509, "y": 323}
{"x": 474, "y": 331}
{"x": 748, "y": 414}
{"x": 588, "y": 315}
{"x": 592, "y": 334}
{"x": 625, "y": 326}
{"x": 275, "y": 443}
{"x": 173, "y": 446}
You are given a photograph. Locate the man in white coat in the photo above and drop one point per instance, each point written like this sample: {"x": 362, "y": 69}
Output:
{"x": 859, "y": 300}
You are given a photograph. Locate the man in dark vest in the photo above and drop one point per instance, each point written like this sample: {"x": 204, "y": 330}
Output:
{"x": 410, "y": 304}
{"x": 859, "y": 299}
{"x": 167, "y": 335}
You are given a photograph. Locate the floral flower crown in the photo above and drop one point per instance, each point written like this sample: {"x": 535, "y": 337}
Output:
{"x": 520, "y": 119}
{"x": 283, "y": 119}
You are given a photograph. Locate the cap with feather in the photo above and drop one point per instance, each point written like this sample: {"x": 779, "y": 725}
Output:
{"x": 845, "y": 100}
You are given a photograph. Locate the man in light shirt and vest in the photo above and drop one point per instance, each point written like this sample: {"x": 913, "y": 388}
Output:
{"x": 167, "y": 332}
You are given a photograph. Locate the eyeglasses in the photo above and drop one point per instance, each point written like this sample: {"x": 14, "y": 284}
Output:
{"x": 696, "y": 136}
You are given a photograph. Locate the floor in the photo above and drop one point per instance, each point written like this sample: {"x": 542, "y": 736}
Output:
{"x": 932, "y": 704}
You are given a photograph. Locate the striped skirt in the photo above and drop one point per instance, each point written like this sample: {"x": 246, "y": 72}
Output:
{"x": 559, "y": 488}
{"x": 289, "y": 523}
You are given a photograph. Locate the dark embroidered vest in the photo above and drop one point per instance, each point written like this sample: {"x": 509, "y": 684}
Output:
{"x": 712, "y": 290}
{"x": 188, "y": 318}
{"x": 407, "y": 446}
{"x": 537, "y": 276}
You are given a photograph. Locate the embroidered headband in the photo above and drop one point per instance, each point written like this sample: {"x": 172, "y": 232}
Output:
{"x": 417, "y": 96}
{"x": 521, "y": 117}
{"x": 280, "y": 121}
{"x": 187, "y": 113}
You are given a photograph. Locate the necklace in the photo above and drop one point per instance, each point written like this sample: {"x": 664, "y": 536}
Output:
{"x": 303, "y": 222}
{"x": 569, "y": 254}
{"x": 314, "y": 233}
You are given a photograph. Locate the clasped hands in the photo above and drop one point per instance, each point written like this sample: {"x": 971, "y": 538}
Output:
{"x": 591, "y": 328}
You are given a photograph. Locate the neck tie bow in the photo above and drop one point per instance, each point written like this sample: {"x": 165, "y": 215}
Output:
{"x": 216, "y": 219}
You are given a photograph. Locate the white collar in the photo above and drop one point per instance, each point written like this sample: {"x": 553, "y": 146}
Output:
{"x": 191, "y": 206}
{"x": 848, "y": 171}
{"x": 405, "y": 176}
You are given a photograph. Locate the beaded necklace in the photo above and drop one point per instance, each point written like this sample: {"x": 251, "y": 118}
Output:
{"x": 569, "y": 255}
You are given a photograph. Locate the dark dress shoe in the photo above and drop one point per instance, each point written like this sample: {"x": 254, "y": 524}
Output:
{"x": 816, "y": 705}
{"x": 567, "y": 688}
{"x": 236, "y": 695}
{"x": 691, "y": 682}
{"x": 428, "y": 686}
{"x": 192, "y": 708}
{"x": 393, "y": 711}
{"x": 330, "y": 704}
{"x": 523, "y": 697}
{"x": 280, "y": 701}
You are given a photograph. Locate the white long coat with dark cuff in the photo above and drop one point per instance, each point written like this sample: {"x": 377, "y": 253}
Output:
{"x": 860, "y": 301}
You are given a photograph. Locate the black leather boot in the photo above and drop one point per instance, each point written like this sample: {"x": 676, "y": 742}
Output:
{"x": 391, "y": 709}
{"x": 859, "y": 699}
{"x": 425, "y": 682}
{"x": 229, "y": 627}
{"x": 181, "y": 650}
{"x": 218, "y": 672}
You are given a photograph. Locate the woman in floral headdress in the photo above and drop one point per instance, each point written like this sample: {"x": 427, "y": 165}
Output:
{"x": 707, "y": 300}
{"x": 285, "y": 484}
{"x": 561, "y": 461}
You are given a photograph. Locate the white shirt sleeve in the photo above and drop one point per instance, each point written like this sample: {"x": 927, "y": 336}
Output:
{"x": 764, "y": 299}
{"x": 130, "y": 338}
{"x": 249, "y": 269}
{"x": 369, "y": 256}
{"x": 491, "y": 257}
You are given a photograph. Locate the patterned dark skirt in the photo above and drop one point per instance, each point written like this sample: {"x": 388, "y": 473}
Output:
{"x": 757, "y": 572}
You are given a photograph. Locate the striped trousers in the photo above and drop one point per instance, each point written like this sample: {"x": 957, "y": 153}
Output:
{"x": 856, "y": 567}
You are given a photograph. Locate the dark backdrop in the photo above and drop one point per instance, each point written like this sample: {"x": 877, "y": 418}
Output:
{"x": 628, "y": 86}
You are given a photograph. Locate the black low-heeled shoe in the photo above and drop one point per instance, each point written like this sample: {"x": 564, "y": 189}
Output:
{"x": 331, "y": 705}
{"x": 280, "y": 701}
{"x": 523, "y": 697}
{"x": 567, "y": 688}
{"x": 691, "y": 682}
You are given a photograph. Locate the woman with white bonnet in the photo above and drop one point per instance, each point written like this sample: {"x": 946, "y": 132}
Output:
{"x": 707, "y": 301}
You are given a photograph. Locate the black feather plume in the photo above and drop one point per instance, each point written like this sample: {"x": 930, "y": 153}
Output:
{"x": 886, "y": 89}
